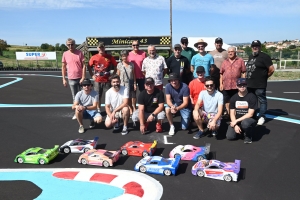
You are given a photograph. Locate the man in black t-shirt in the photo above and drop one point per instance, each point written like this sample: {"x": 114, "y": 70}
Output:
{"x": 151, "y": 106}
{"x": 242, "y": 108}
{"x": 180, "y": 65}
{"x": 259, "y": 69}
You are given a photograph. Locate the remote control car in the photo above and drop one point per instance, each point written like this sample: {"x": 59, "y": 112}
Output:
{"x": 78, "y": 145}
{"x": 158, "y": 165}
{"x": 190, "y": 152}
{"x": 217, "y": 170}
{"x": 137, "y": 148}
{"x": 100, "y": 157}
{"x": 37, "y": 155}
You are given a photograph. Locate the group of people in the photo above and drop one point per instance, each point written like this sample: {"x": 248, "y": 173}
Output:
{"x": 203, "y": 87}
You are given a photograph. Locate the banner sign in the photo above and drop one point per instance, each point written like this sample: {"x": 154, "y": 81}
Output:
{"x": 36, "y": 55}
{"x": 127, "y": 41}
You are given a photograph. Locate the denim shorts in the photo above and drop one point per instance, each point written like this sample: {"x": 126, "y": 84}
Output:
{"x": 185, "y": 117}
{"x": 91, "y": 114}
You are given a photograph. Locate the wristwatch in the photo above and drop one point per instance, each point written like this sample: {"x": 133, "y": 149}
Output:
{"x": 153, "y": 115}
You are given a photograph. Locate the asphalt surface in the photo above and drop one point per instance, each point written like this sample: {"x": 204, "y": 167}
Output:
{"x": 269, "y": 165}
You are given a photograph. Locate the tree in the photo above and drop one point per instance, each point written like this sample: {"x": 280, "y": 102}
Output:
{"x": 292, "y": 47}
{"x": 248, "y": 50}
{"x": 3, "y": 46}
{"x": 63, "y": 47}
{"x": 57, "y": 48}
{"x": 44, "y": 46}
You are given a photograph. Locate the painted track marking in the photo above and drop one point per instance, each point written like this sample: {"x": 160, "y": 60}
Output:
{"x": 166, "y": 140}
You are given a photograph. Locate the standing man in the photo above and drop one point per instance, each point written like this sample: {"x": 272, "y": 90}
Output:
{"x": 73, "y": 62}
{"x": 154, "y": 66}
{"x": 85, "y": 105}
{"x": 259, "y": 69}
{"x": 242, "y": 109}
{"x": 116, "y": 105}
{"x": 179, "y": 64}
{"x": 187, "y": 52}
{"x": 201, "y": 59}
{"x": 102, "y": 63}
{"x": 212, "y": 109}
{"x": 177, "y": 99}
{"x": 136, "y": 56}
{"x": 151, "y": 107}
{"x": 232, "y": 68}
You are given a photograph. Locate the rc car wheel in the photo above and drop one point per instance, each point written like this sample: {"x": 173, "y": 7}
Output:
{"x": 20, "y": 160}
{"x": 143, "y": 169}
{"x": 200, "y": 158}
{"x": 177, "y": 154}
{"x": 105, "y": 164}
{"x": 145, "y": 154}
{"x": 200, "y": 173}
{"x": 167, "y": 172}
{"x": 67, "y": 150}
{"x": 42, "y": 161}
{"x": 227, "y": 178}
{"x": 124, "y": 152}
{"x": 86, "y": 149}
{"x": 83, "y": 161}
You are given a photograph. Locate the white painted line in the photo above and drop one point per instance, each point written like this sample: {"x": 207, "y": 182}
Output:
{"x": 268, "y": 91}
{"x": 291, "y": 92}
{"x": 166, "y": 140}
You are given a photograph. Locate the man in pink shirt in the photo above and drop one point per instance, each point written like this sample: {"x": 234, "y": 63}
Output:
{"x": 73, "y": 62}
{"x": 232, "y": 69}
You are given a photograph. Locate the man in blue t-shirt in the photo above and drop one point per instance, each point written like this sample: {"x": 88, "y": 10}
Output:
{"x": 177, "y": 98}
{"x": 201, "y": 59}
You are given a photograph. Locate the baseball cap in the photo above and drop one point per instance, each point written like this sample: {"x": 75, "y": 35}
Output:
{"x": 174, "y": 76}
{"x": 184, "y": 40}
{"x": 101, "y": 44}
{"x": 241, "y": 81}
{"x": 218, "y": 39}
{"x": 200, "y": 69}
{"x": 255, "y": 43}
{"x": 86, "y": 81}
{"x": 177, "y": 46}
{"x": 149, "y": 80}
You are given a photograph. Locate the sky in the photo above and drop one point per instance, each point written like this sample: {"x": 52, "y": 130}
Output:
{"x": 34, "y": 22}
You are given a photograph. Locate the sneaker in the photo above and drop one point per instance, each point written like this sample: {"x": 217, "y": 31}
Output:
{"x": 81, "y": 129}
{"x": 198, "y": 135}
{"x": 172, "y": 130}
{"x": 215, "y": 133}
{"x": 247, "y": 140}
{"x": 261, "y": 121}
{"x": 158, "y": 128}
{"x": 124, "y": 131}
{"x": 92, "y": 124}
{"x": 74, "y": 117}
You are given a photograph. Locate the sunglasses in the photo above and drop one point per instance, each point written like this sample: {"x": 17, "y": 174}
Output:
{"x": 70, "y": 44}
{"x": 135, "y": 45}
{"x": 200, "y": 73}
{"x": 242, "y": 85}
{"x": 209, "y": 85}
{"x": 200, "y": 47}
{"x": 85, "y": 85}
{"x": 149, "y": 84}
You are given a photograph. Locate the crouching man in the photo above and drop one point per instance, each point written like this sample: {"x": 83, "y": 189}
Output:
{"x": 85, "y": 105}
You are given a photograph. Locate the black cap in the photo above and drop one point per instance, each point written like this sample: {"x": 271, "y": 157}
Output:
{"x": 177, "y": 46}
{"x": 86, "y": 81}
{"x": 241, "y": 81}
{"x": 184, "y": 40}
{"x": 218, "y": 39}
{"x": 200, "y": 69}
{"x": 255, "y": 43}
{"x": 149, "y": 80}
{"x": 174, "y": 76}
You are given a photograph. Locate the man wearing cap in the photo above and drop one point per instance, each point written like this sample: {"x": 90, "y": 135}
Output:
{"x": 85, "y": 105}
{"x": 102, "y": 63}
{"x": 155, "y": 66}
{"x": 231, "y": 69}
{"x": 242, "y": 113}
{"x": 116, "y": 104}
{"x": 179, "y": 64}
{"x": 187, "y": 52}
{"x": 201, "y": 59}
{"x": 177, "y": 99}
{"x": 197, "y": 85}
{"x": 259, "y": 69}
{"x": 73, "y": 62}
{"x": 151, "y": 107}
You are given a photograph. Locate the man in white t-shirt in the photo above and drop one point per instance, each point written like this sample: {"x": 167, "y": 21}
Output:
{"x": 212, "y": 108}
{"x": 116, "y": 104}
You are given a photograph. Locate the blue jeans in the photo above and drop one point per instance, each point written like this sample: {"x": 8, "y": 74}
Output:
{"x": 185, "y": 117}
{"x": 262, "y": 99}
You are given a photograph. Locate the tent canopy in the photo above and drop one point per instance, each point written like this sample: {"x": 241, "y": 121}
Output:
{"x": 210, "y": 43}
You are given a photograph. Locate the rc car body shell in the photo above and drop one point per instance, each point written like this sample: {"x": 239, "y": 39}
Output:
{"x": 78, "y": 145}
{"x": 190, "y": 152}
{"x": 138, "y": 148}
{"x": 100, "y": 157}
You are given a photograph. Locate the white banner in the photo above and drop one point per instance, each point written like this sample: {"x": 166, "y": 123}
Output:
{"x": 36, "y": 55}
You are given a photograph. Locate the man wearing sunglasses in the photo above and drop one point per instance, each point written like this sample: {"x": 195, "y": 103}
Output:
{"x": 242, "y": 109}
{"x": 85, "y": 105}
{"x": 259, "y": 69}
{"x": 73, "y": 62}
{"x": 151, "y": 107}
{"x": 211, "y": 111}
{"x": 201, "y": 59}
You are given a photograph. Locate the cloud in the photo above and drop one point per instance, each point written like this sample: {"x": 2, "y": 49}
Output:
{"x": 245, "y": 7}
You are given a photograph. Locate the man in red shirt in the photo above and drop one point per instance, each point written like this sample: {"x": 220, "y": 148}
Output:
{"x": 102, "y": 63}
{"x": 197, "y": 85}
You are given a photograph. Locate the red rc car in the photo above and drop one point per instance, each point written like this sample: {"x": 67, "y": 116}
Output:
{"x": 138, "y": 148}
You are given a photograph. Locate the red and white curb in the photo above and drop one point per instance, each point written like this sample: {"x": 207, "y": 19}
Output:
{"x": 136, "y": 186}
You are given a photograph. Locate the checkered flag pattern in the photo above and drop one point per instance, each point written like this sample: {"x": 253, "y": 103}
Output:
{"x": 92, "y": 41}
{"x": 165, "y": 40}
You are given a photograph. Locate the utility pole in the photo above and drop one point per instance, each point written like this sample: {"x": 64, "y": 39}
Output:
{"x": 171, "y": 24}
